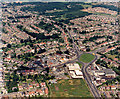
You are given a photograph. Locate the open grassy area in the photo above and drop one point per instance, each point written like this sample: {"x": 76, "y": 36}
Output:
{"x": 86, "y": 58}
{"x": 86, "y": 6}
{"x": 70, "y": 88}
{"x": 111, "y": 56}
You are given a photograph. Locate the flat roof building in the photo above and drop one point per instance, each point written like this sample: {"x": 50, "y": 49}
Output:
{"x": 78, "y": 72}
{"x": 109, "y": 72}
{"x": 73, "y": 66}
{"x": 73, "y": 75}
{"x": 75, "y": 70}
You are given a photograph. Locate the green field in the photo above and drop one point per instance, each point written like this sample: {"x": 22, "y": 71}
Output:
{"x": 70, "y": 88}
{"x": 86, "y": 58}
{"x": 86, "y": 6}
{"x": 111, "y": 56}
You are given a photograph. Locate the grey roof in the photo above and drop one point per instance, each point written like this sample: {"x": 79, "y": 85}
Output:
{"x": 99, "y": 71}
{"x": 109, "y": 71}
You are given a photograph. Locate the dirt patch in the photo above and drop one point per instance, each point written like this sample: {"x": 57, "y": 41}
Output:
{"x": 70, "y": 82}
{"x": 65, "y": 90}
{"x": 61, "y": 81}
{"x": 56, "y": 88}
{"x": 77, "y": 82}
{"x": 72, "y": 88}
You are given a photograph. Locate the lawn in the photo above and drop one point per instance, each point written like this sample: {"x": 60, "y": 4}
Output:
{"x": 70, "y": 88}
{"x": 111, "y": 56}
{"x": 86, "y": 58}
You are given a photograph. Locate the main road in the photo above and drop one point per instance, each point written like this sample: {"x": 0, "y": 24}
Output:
{"x": 88, "y": 79}
{"x": 85, "y": 66}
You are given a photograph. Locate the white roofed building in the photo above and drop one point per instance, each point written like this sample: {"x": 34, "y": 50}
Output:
{"x": 78, "y": 73}
{"x": 75, "y": 70}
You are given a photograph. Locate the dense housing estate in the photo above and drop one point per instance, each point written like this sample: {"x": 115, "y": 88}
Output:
{"x": 45, "y": 45}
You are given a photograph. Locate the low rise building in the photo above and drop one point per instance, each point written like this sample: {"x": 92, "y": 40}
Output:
{"x": 99, "y": 73}
{"x": 109, "y": 72}
{"x": 75, "y": 70}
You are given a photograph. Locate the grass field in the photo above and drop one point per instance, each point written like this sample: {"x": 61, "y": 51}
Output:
{"x": 111, "y": 56}
{"x": 86, "y": 6}
{"x": 70, "y": 88}
{"x": 86, "y": 58}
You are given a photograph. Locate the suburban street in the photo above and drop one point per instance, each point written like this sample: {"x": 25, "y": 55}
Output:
{"x": 85, "y": 66}
{"x": 59, "y": 49}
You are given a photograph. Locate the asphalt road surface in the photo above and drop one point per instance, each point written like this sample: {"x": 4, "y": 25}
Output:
{"x": 86, "y": 75}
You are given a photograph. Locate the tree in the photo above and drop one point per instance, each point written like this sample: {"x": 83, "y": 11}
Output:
{"x": 66, "y": 73}
{"x": 31, "y": 45}
{"x": 35, "y": 49}
{"x": 70, "y": 40}
{"x": 98, "y": 61}
{"x": 64, "y": 65}
{"x": 59, "y": 52}
{"x": 88, "y": 49}
{"x": 47, "y": 69}
{"x": 9, "y": 45}
{"x": 16, "y": 89}
{"x": 61, "y": 40}
{"x": 21, "y": 41}
{"x": 29, "y": 39}
{"x": 67, "y": 52}
{"x": 13, "y": 55}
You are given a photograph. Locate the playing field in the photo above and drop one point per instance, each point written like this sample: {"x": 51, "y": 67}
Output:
{"x": 70, "y": 88}
{"x": 86, "y": 58}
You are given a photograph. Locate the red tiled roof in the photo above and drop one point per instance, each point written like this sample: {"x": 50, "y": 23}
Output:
{"x": 31, "y": 92}
{"x": 43, "y": 84}
{"x": 46, "y": 90}
{"x": 30, "y": 86}
{"x": 40, "y": 91}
